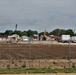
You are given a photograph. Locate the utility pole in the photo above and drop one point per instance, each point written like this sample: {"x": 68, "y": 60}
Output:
{"x": 9, "y": 54}
{"x": 38, "y": 50}
{"x": 29, "y": 50}
{"x": 0, "y": 56}
{"x": 69, "y": 55}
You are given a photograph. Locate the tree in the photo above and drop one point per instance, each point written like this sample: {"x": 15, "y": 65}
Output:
{"x": 8, "y": 32}
{"x": 35, "y": 32}
{"x": 70, "y": 32}
{"x": 41, "y": 33}
{"x": 55, "y": 32}
{"x": 17, "y": 32}
{"x": 24, "y": 33}
{"x": 59, "y": 32}
{"x": 62, "y": 31}
{"x": 30, "y": 33}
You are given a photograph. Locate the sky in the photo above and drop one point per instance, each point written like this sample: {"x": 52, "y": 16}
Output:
{"x": 37, "y": 15}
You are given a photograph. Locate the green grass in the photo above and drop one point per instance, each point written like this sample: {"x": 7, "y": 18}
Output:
{"x": 24, "y": 71}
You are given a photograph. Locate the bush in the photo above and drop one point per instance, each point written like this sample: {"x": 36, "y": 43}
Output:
{"x": 16, "y": 65}
{"x": 24, "y": 66}
{"x": 8, "y": 66}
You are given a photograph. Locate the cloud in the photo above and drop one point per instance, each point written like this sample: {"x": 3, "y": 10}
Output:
{"x": 37, "y": 14}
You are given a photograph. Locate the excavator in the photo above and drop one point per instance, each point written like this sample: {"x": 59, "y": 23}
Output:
{"x": 46, "y": 37}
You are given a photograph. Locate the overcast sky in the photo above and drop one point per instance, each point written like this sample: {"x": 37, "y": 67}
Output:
{"x": 37, "y": 14}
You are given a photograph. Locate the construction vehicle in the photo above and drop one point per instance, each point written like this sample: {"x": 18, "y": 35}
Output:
{"x": 13, "y": 38}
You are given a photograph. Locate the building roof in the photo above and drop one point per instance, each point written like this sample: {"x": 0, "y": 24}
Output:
{"x": 3, "y": 36}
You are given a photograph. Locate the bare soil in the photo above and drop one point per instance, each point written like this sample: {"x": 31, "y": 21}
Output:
{"x": 36, "y": 51}
{"x": 34, "y": 55}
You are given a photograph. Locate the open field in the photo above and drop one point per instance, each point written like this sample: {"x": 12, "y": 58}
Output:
{"x": 39, "y": 71}
{"x": 37, "y": 51}
{"x": 37, "y": 55}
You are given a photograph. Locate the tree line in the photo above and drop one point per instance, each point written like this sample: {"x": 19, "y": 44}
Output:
{"x": 59, "y": 32}
{"x": 56, "y": 32}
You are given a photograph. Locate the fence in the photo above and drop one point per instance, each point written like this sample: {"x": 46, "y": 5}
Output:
{"x": 37, "y": 55}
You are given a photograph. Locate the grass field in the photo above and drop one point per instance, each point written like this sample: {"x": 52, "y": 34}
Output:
{"x": 35, "y": 71}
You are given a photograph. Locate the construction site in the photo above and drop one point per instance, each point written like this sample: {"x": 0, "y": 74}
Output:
{"x": 37, "y": 55}
{"x": 26, "y": 52}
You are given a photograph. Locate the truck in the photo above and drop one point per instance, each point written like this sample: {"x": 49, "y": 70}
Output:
{"x": 64, "y": 38}
{"x": 73, "y": 39}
